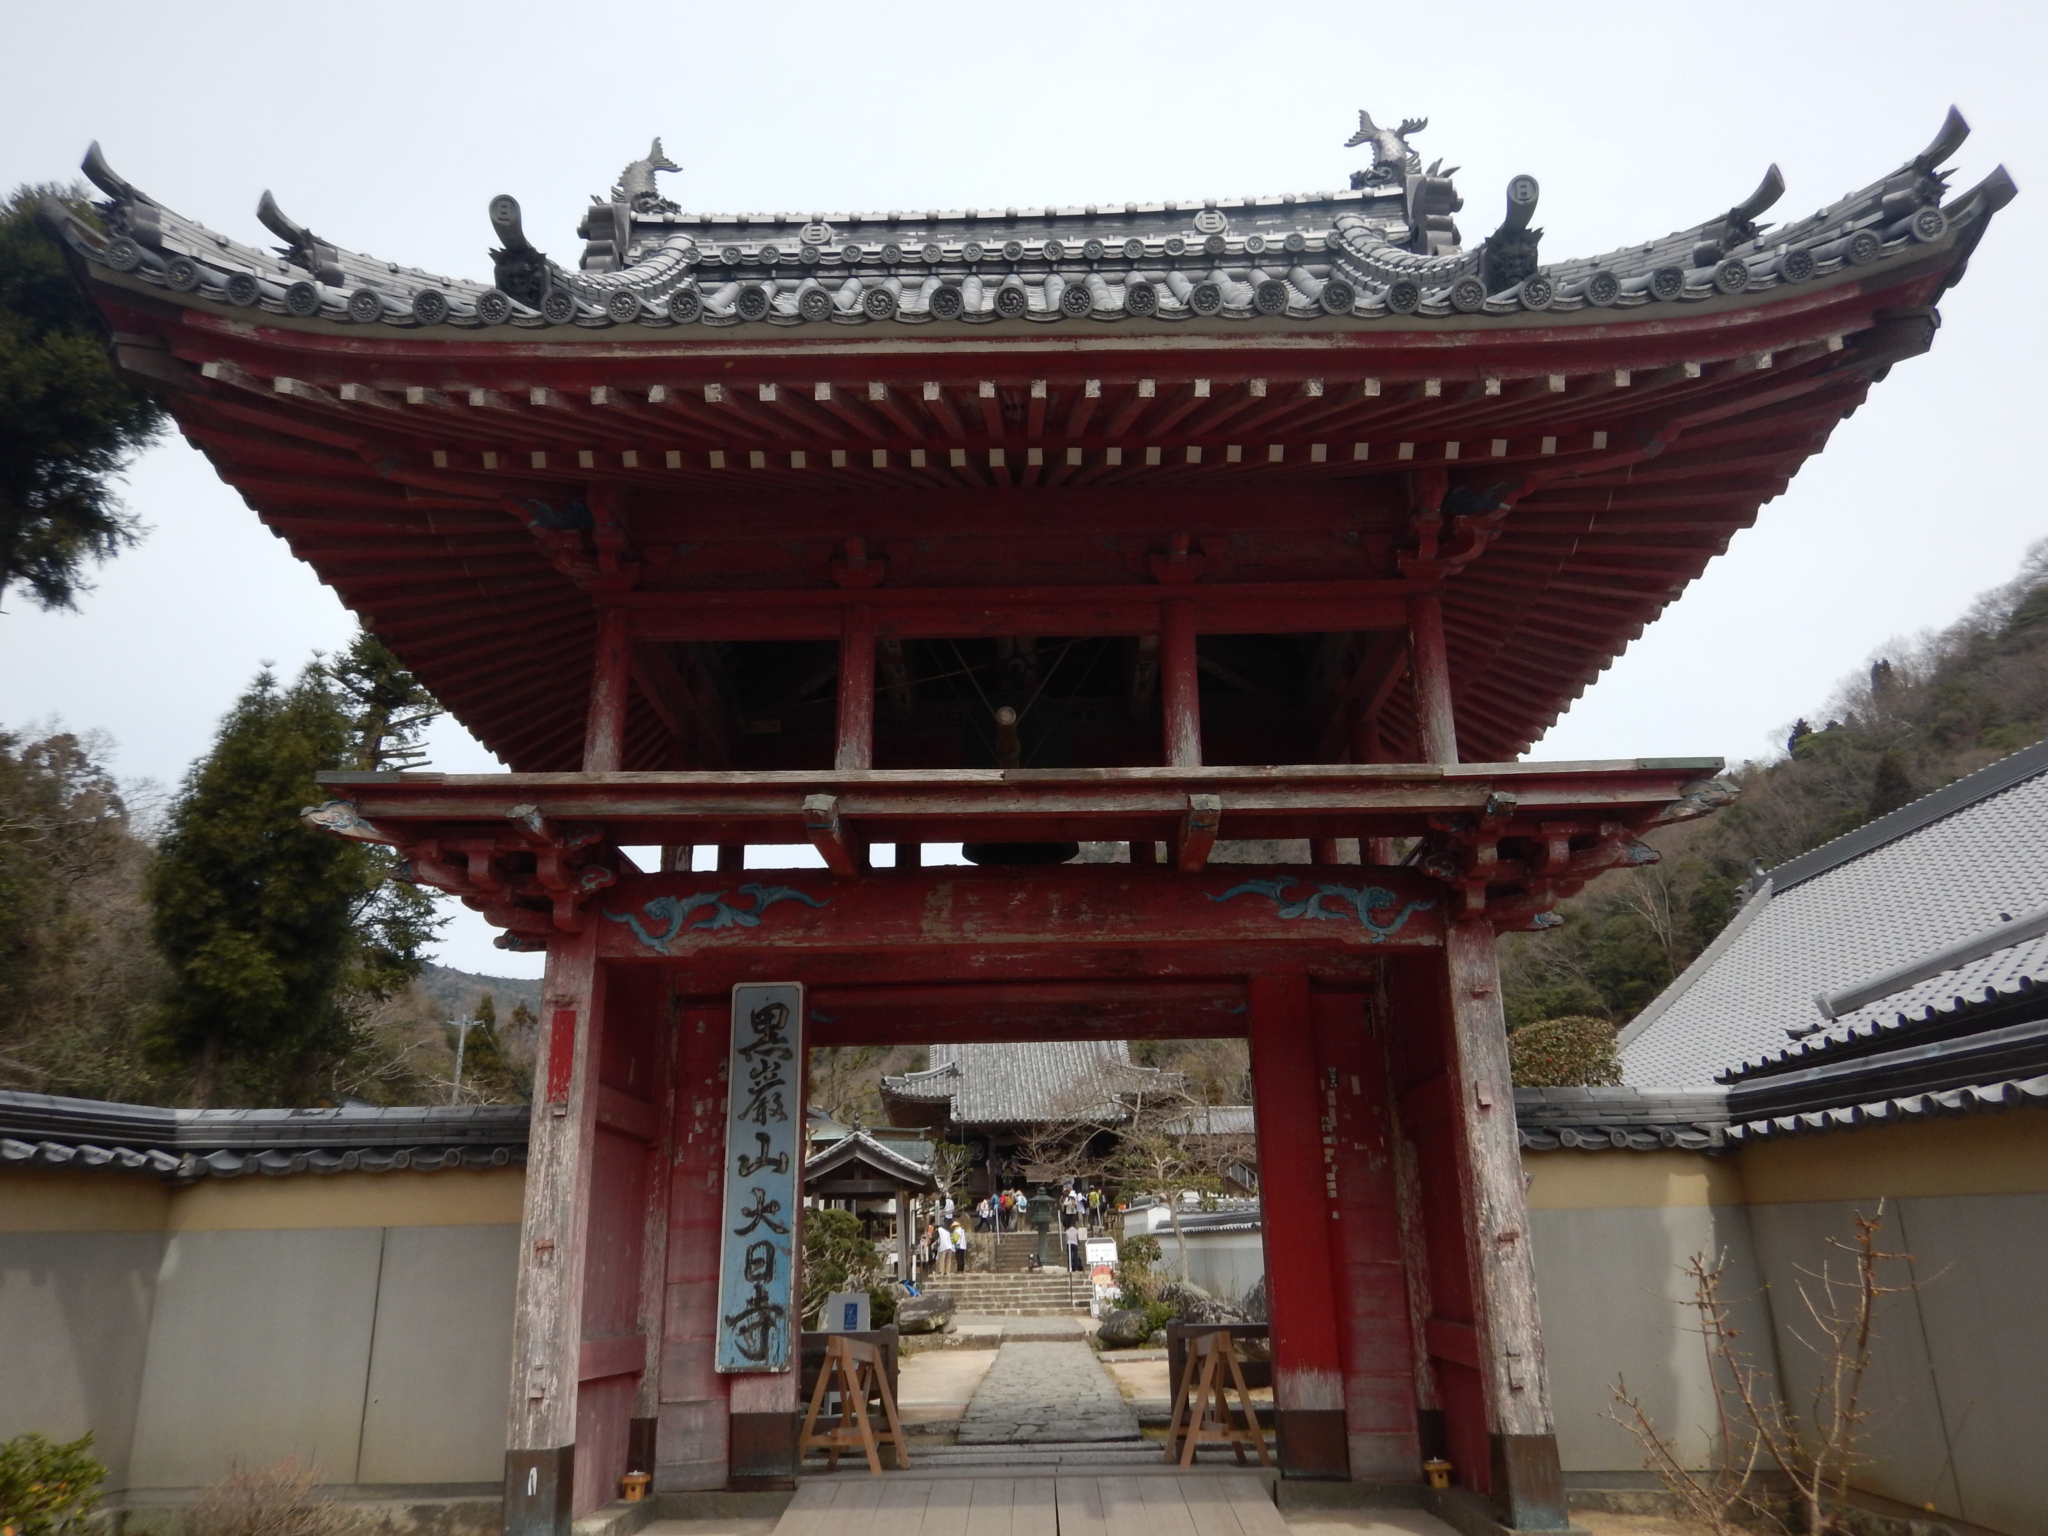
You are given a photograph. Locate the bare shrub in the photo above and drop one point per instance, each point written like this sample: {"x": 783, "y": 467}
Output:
{"x": 278, "y": 1500}
{"x": 1816, "y": 1447}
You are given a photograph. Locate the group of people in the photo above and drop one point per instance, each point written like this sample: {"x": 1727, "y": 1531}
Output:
{"x": 943, "y": 1245}
{"x": 1009, "y": 1210}
{"x": 945, "y": 1240}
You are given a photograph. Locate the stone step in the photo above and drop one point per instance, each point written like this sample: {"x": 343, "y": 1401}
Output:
{"x": 1007, "y": 1289}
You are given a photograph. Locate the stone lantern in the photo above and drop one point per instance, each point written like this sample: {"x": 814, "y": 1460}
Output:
{"x": 1041, "y": 1219}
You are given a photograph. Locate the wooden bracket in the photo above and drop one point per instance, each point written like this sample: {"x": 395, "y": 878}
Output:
{"x": 821, "y": 821}
{"x": 1197, "y": 833}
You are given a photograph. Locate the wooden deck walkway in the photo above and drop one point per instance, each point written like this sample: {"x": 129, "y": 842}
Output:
{"x": 904, "y": 1504}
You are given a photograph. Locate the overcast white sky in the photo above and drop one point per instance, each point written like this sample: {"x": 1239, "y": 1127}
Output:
{"x": 388, "y": 127}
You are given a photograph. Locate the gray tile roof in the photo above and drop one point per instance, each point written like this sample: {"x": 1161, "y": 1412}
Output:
{"x": 893, "y": 1159}
{"x": 1620, "y": 1119}
{"x": 1217, "y": 1120}
{"x": 2013, "y": 975}
{"x": 42, "y": 1130}
{"x": 1929, "y": 875}
{"x": 1900, "y": 1109}
{"x": 1382, "y": 249}
{"x": 1030, "y": 1082}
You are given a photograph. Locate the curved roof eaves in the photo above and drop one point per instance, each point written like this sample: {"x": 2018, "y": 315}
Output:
{"x": 1318, "y": 257}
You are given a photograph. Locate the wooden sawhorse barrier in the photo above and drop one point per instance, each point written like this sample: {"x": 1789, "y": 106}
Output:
{"x": 1201, "y": 1409}
{"x": 853, "y": 1369}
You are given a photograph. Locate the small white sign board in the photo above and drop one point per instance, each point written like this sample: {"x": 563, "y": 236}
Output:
{"x": 846, "y": 1312}
{"x": 1102, "y": 1274}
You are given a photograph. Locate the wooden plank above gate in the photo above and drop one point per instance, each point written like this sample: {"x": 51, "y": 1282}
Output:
{"x": 1060, "y": 908}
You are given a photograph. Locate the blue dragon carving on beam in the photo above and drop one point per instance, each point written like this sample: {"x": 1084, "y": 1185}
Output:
{"x": 1361, "y": 902}
{"x": 670, "y": 915}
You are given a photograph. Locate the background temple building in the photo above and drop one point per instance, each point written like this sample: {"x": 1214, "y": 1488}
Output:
{"x": 1292, "y": 518}
{"x": 1012, "y": 1100}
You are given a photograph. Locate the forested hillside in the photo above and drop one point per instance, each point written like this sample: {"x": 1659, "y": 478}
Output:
{"x": 1929, "y": 711}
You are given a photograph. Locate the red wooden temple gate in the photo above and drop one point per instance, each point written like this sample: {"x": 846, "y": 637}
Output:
{"x": 1284, "y": 518}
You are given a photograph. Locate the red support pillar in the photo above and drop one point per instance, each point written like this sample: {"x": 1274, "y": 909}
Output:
{"x": 662, "y": 1091}
{"x": 1435, "y": 727}
{"x": 694, "y": 1412}
{"x": 611, "y": 678}
{"x": 1528, "y": 1483}
{"x": 1374, "y": 1332}
{"x": 857, "y": 689}
{"x": 540, "y": 1460}
{"x": 1308, "y": 1384}
{"x": 1179, "y": 686}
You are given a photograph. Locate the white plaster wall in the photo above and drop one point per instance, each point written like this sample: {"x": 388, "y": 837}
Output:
{"x": 1225, "y": 1264}
{"x": 259, "y": 1349}
{"x": 381, "y": 1355}
{"x": 441, "y": 1361}
{"x": 1612, "y": 1286}
{"x": 1958, "y": 1387}
{"x": 74, "y": 1333}
{"x": 1982, "y": 1263}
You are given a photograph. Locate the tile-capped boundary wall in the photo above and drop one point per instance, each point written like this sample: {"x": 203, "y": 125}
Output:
{"x": 360, "y": 1321}
{"x": 1959, "y": 1383}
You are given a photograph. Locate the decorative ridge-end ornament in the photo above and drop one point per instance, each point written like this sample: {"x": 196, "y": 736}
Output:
{"x": 1738, "y": 223}
{"x": 636, "y": 188}
{"x": 1509, "y": 254}
{"x": 302, "y": 248}
{"x": 1392, "y": 159}
{"x": 519, "y": 269}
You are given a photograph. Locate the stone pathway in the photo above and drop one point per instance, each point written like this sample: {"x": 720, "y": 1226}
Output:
{"x": 1039, "y": 1393}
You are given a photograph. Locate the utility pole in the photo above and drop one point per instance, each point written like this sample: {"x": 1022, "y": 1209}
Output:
{"x": 462, "y": 1027}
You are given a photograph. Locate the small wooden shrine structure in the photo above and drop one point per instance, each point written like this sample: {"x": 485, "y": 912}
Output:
{"x": 1287, "y": 517}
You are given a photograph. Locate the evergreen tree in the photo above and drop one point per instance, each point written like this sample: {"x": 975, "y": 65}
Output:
{"x": 389, "y": 708}
{"x": 68, "y": 423}
{"x": 277, "y": 936}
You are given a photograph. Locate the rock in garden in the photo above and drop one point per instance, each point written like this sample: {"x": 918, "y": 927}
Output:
{"x": 930, "y": 1313}
{"x": 1123, "y": 1328}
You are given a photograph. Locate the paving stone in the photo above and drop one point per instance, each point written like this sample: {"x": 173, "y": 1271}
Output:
{"x": 1039, "y": 1393}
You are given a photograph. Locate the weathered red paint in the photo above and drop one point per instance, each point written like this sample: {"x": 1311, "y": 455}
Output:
{"x": 1062, "y": 911}
{"x": 604, "y": 741}
{"x": 1373, "y": 1333}
{"x": 856, "y": 744}
{"x": 1308, "y": 1389}
{"x": 690, "y": 1438}
{"x": 561, "y": 1054}
{"x": 1180, "y": 696}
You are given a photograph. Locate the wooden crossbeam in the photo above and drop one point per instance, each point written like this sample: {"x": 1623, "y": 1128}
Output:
{"x": 828, "y": 836}
{"x": 1198, "y": 832}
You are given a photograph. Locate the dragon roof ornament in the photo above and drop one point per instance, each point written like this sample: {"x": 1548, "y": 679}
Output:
{"x": 1385, "y": 249}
